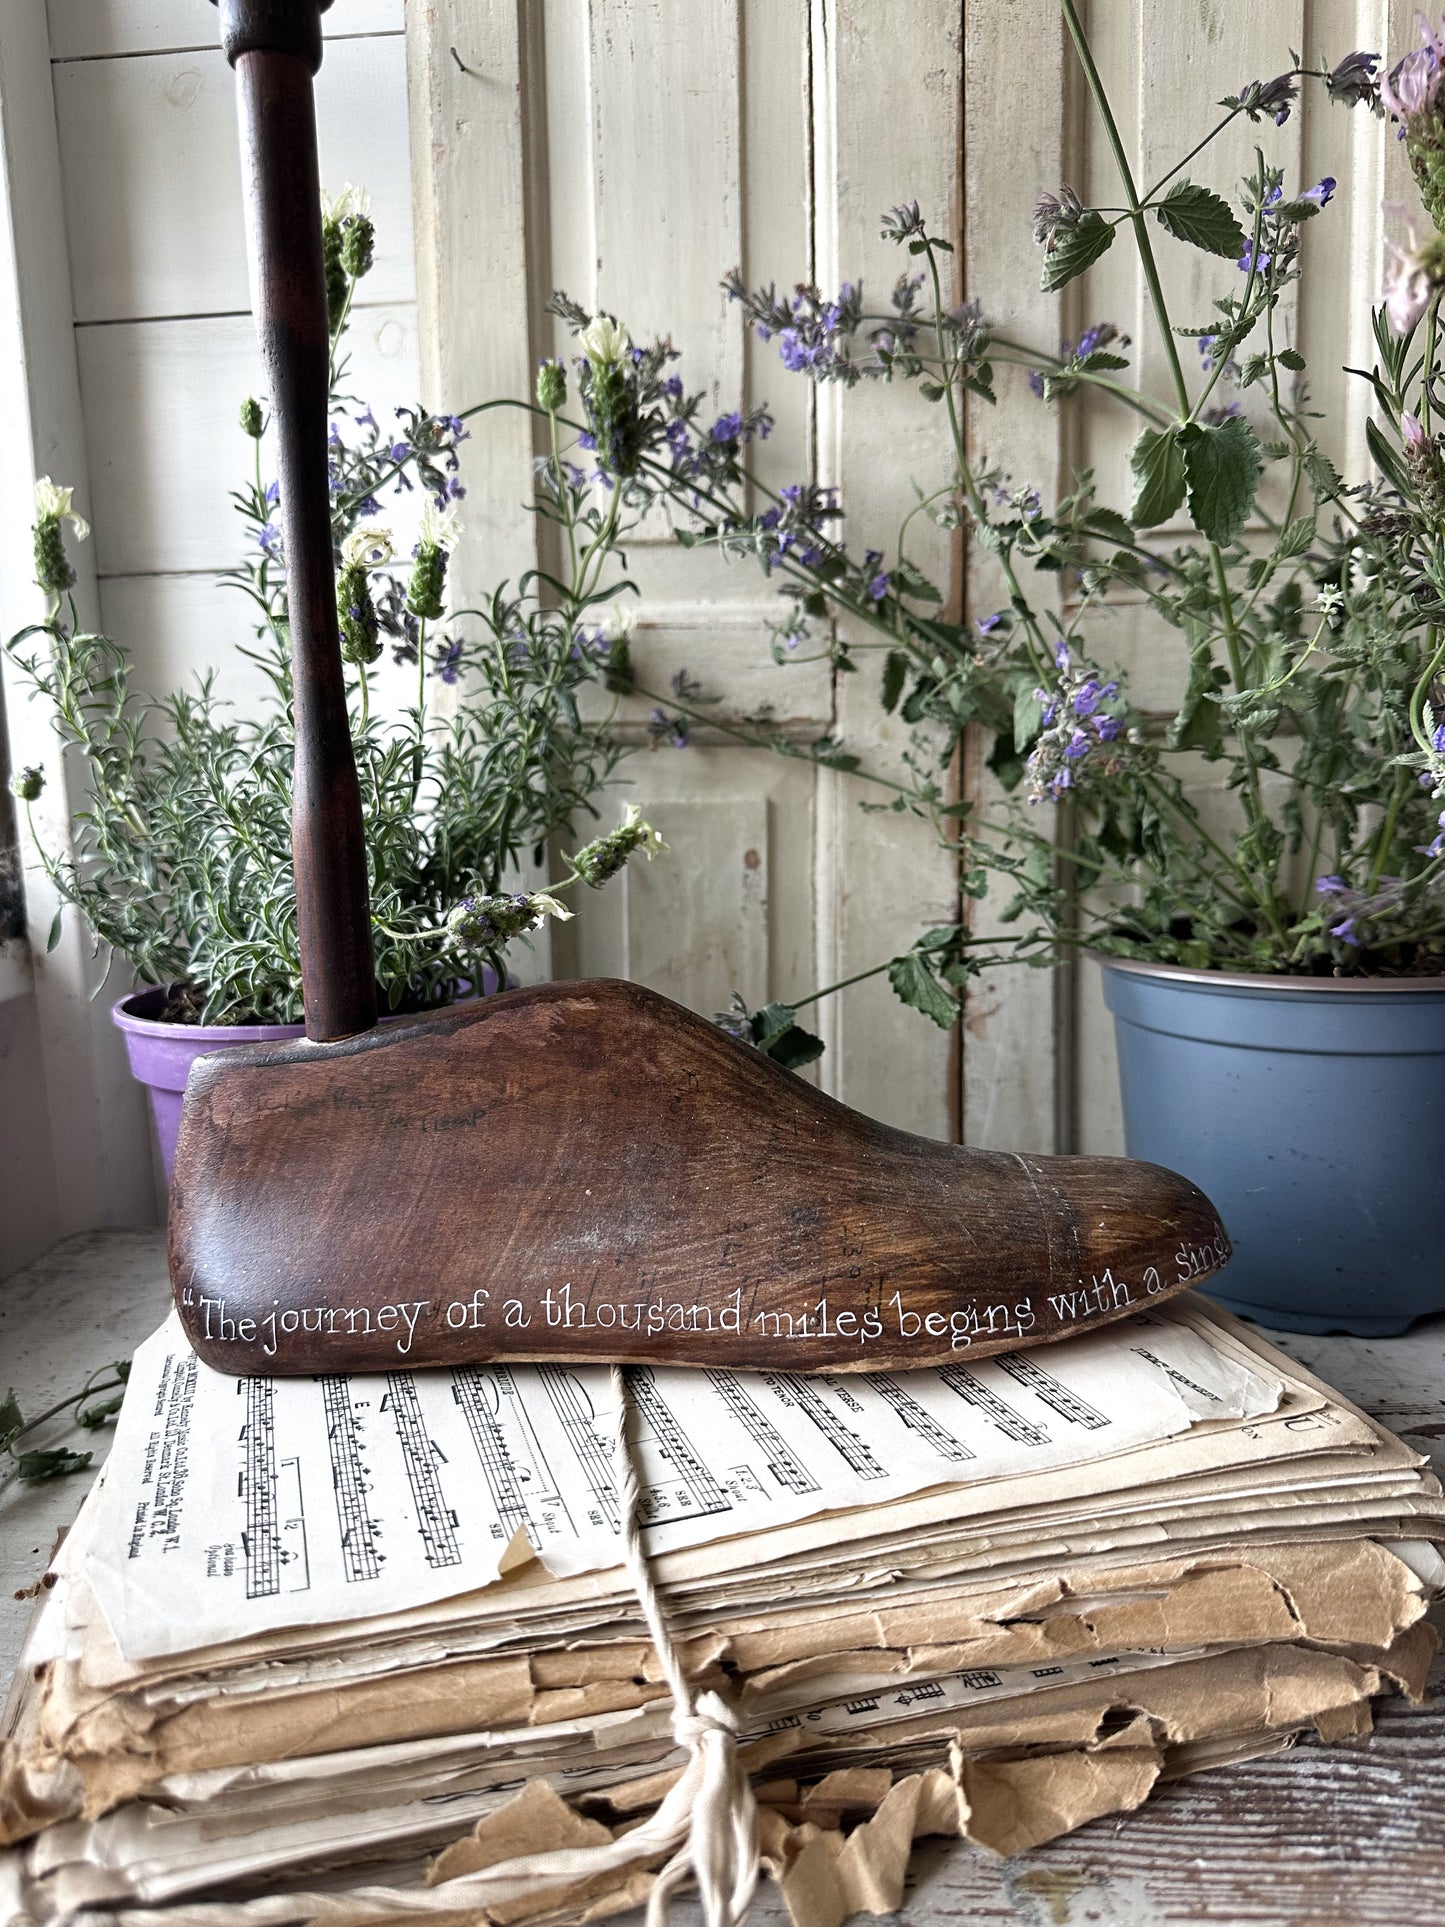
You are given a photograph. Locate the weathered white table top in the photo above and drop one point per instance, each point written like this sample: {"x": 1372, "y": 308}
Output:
{"x": 1342, "y": 1836}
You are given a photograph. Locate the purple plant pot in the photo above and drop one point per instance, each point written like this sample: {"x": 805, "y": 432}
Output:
{"x": 161, "y": 1055}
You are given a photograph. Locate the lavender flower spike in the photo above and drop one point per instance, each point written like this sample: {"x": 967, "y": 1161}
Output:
{"x": 1413, "y": 94}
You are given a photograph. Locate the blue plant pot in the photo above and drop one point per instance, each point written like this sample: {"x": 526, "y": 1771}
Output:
{"x": 1312, "y": 1112}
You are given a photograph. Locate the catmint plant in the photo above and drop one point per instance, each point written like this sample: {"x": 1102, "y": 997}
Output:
{"x": 1306, "y": 618}
{"x": 182, "y": 854}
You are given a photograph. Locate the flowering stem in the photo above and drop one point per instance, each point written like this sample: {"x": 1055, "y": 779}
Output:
{"x": 365, "y": 695}
{"x": 1179, "y": 166}
{"x": 1017, "y": 355}
{"x": 1131, "y": 195}
{"x": 1421, "y": 693}
{"x": 1403, "y": 782}
{"x": 1428, "y": 363}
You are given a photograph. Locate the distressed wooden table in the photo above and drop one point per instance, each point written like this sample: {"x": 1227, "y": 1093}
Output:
{"x": 1338, "y": 1836}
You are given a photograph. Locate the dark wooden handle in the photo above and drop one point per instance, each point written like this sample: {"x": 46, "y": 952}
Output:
{"x": 275, "y": 48}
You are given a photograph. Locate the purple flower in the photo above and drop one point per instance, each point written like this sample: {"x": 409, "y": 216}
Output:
{"x": 1036, "y": 382}
{"x": 365, "y": 419}
{"x": 273, "y": 494}
{"x": 726, "y": 428}
{"x": 672, "y": 730}
{"x": 986, "y": 625}
{"x": 1090, "y": 693}
{"x": 1330, "y": 886}
{"x": 333, "y": 438}
{"x": 1346, "y": 932}
{"x": 398, "y": 452}
{"x": 1254, "y": 259}
{"x": 1260, "y": 97}
{"x": 1079, "y": 744}
{"x": 1060, "y": 781}
{"x": 672, "y": 388}
{"x": 1061, "y": 653}
{"x": 1323, "y": 191}
{"x": 1413, "y": 84}
{"x": 448, "y": 663}
{"x": 1353, "y": 80}
{"x": 878, "y": 587}
{"x": 587, "y": 439}
{"x": 1106, "y": 728}
{"x": 269, "y": 538}
{"x": 1438, "y": 739}
{"x": 368, "y": 505}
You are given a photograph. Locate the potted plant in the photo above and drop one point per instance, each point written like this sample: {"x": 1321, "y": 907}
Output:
{"x": 181, "y": 861}
{"x": 1277, "y": 974}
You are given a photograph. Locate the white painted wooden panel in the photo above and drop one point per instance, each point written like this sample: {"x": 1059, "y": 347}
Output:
{"x": 67, "y": 1086}
{"x": 161, "y": 401}
{"x": 87, "y": 29}
{"x": 730, "y": 906}
{"x": 175, "y": 626}
{"x": 1015, "y": 135}
{"x": 712, "y": 893}
{"x": 153, "y": 182}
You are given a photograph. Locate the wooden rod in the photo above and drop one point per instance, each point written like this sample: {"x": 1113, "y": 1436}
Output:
{"x": 275, "y": 49}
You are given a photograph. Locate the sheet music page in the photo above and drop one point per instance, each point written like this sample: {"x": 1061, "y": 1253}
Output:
{"x": 233, "y": 1506}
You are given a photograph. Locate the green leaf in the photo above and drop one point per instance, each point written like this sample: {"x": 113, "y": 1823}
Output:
{"x": 1298, "y": 536}
{"x": 1292, "y": 359}
{"x": 779, "y": 1037}
{"x": 895, "y": 674}
{"x": 54, "y": 936}
{"x": 1325, "y": 478}
{"x": 1075, "y": 249}
{"x": 1028, "y": 712}
{"x": 910, "y": 581}
{"x": 1158, "y": 465}
{"x": 1194, "y": 214}
{"x": 88, "y": 1417}
{"x": 1199, "y": 722}
{"x": 1222, "y": 464}
{"x": 1386, "y": 460}
{"x": 916, "y": 984}
{"x": 1109, "y": 526}
{"x": 53, "y": 1463}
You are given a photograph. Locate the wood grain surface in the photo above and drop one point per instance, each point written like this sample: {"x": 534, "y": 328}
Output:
{"x": 1328, "y": 1836}
{"x": 589, "y": 1171}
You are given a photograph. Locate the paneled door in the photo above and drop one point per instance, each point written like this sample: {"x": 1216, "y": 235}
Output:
{"x": 632, "y": 152}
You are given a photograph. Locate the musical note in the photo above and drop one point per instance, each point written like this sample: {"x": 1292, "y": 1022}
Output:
{"x": 577, "y": 1416}
{"x": 1051, "y": 1392}
{"x": 359, "y": 1532}
{"x": 854, "y": 1451}
{"x": 784, "y": 1464}
{"x": 434, "y": 1521}
{"x": 695, "y": 1492}
{"x": 918, "y": 1420}
{"x": 259, "y": 1537}
{"x": 1012, "y": 1424}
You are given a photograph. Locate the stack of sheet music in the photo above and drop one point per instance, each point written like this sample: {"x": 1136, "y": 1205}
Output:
{"x": 299, "y": 1637}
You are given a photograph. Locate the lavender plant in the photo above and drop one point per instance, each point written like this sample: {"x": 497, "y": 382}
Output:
{"x": 182, "y": 859}
{"x": 1307, "y": 611}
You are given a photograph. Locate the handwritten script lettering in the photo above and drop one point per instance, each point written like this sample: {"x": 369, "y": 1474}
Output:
{"x": 560, "y": 1310}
